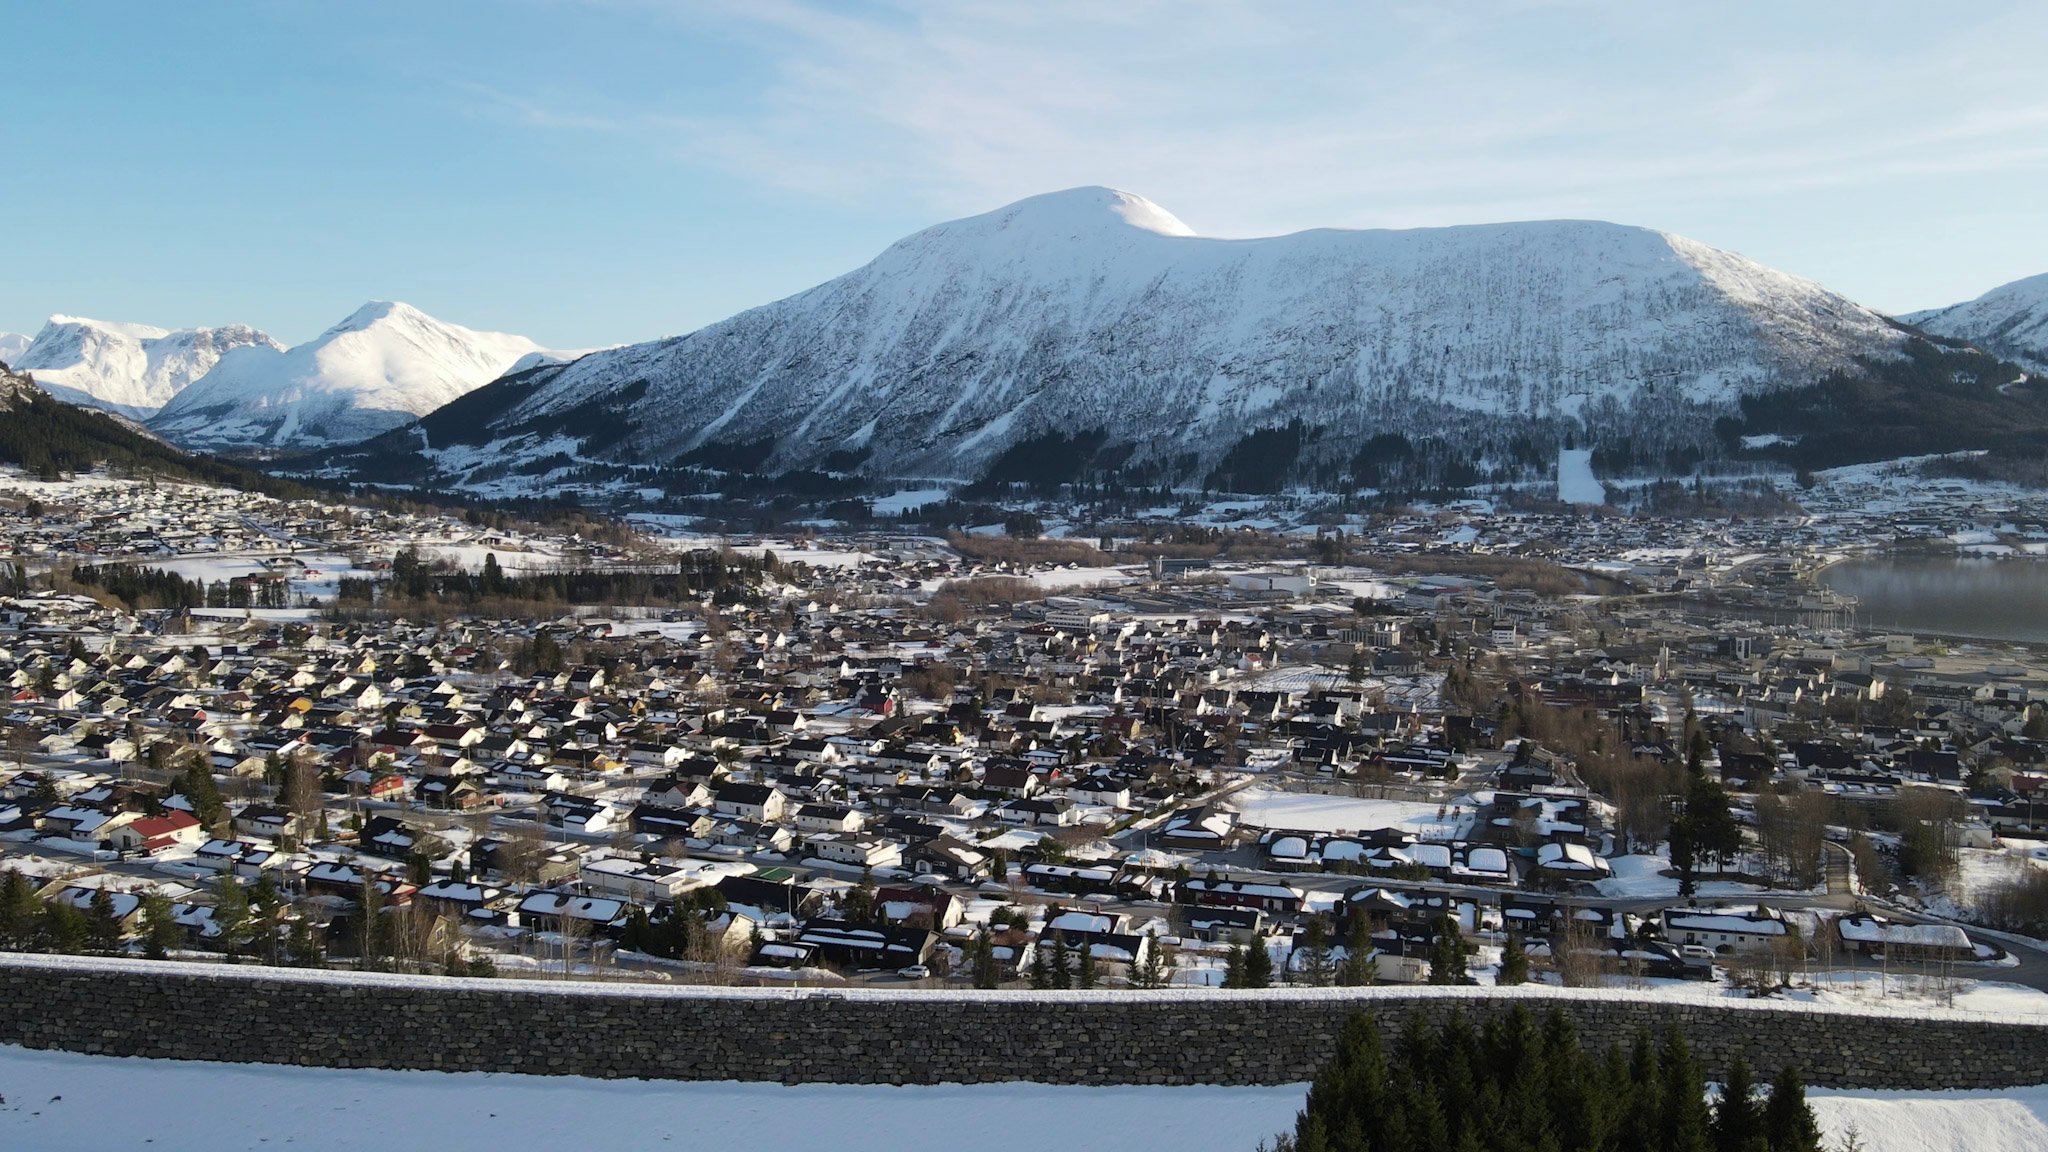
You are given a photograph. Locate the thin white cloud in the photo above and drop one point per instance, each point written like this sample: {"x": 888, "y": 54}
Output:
{"x": 1248, "y": 118}
{"x": 1255, "y": 114}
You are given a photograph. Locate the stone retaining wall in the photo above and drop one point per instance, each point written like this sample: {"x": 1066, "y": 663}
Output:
{"x": 251, "y": 1014}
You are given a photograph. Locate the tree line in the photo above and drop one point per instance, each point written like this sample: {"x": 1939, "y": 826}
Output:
{"x": 1510, "y": 1084}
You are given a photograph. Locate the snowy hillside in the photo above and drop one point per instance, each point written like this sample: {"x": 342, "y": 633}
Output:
{"x": 384, "y": 365}
{"x": 2009, "y": 321}
{"x": 132, "y": 369}
{"x": 12, "y": 345}
{"x": 1093, "y": 309}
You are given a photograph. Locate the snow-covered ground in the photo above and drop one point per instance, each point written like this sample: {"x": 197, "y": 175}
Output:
{"x": 1575, "y": 481}
{"x": 61, "y": 1101}
{"x": 114, "y": 1102}
{"x": 1308, "y": 812}
{"x": 2010, "y": 1121}
{"x": 1978, "y": 872}
{"x": 1643, "y": 876}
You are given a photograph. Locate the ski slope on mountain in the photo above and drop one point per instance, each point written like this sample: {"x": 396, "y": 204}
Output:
{"x": 1096, "y": 309}
{"x": 2010, "y": 321}
{"x": 133, "y": 369}
{"x": 384, "y": 365}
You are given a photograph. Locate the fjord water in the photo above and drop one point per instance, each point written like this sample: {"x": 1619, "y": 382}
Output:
{"x": 1996, "y": 599}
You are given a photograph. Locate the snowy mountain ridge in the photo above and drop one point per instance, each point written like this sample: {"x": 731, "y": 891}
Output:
{"x": 1094, "y": 309}
{"x": 380, "y": 367}
{"x": 2011, "y": 321}
{"x": 132, "y": 369}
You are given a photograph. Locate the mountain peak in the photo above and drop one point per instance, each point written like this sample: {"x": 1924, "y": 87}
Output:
{"x": 1093, "y": 314}
{"x": 132, "y": 369}
{"x": 376, "y": 310}
{"x": 132, "y": 331}
{"x": 1089, "y": 206}
{"x": 381, "y": 366}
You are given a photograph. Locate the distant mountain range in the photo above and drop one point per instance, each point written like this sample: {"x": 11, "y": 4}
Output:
{"x": 1089, "y": 333}
{"x": 384, "y": 365}
{"x": 133, "y": 369}
{"x": 236, "y": 389}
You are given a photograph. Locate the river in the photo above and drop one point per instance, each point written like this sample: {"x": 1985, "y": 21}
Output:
{"x": 1996, "y": 599}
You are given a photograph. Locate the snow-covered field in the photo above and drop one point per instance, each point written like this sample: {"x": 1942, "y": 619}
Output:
{"x": 1308, "y": 812}
{"x": 1575, "y": 481}
{"x": 1643, "y": 876}
{"x": 2014, "y": 1121}
{"x": 115, "y": 1102}
{"x": 61, "y": 1101}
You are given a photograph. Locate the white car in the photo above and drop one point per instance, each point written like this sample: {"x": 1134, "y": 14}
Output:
{"x": 914, "y": 972}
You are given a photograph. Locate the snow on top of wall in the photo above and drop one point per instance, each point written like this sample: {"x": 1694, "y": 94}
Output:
{"x": 1532, "y": 993}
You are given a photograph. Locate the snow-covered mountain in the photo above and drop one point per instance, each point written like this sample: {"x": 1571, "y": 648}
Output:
{"x": 12, "y": 345}
{"x": 2010, "y": 321}
{"x": 132, "y": 369}
{"x": 384, "y": 365}
{"x": 1093, "y": 310}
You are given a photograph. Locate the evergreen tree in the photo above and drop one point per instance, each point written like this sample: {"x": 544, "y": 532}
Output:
{"x": 1359, "y": 969}
{"x": 1788, "y": 1121}
{"x": 1682, "y": 1119}
{"x": 102, "y": 927}
{"x": 1062, "y": 961}
{"x": 1041, "y": 965}
{"x": 1317, "y": 967}
{"x": 196, "y": 785}
{"x": 19, "y": 910}
{"x": 1258, "y": 965}
{"x": 160, "y": 929}
{"x": 370, "y": 925}
{"x": 1711, "y": 821}
{"x": 1447, "y": 954}
{"x": 1151, "y": 971}
{"x": 1738, "y": 1124}
{"x": 231, "y": 913}
{"x": 638, "y": 934}
{"x": 61, "y": 928}
{"x": 304, "y": 948}
{"x": 858, "y": 906}
{"x": 1514, "y": 962}
{"x": 986, "y": 974}
{"x": 44, "y": 794}
{"x": 1349, "y": 1103}
{"x": 1685, "y": 854}
{"x": 1509, "y": 1085}
{"x": 1086, "y": 977}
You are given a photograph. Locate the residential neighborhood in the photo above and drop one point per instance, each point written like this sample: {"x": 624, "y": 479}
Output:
{"x": 980, "y": 760}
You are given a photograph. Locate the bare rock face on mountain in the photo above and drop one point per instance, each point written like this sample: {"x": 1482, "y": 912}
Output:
{"x": 132, "y": 369}
{"x": 1095, "y": 313}
{"x": 383, "y": 366}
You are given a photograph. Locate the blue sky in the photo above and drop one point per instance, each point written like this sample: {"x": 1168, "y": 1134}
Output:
{"x": 612, "y": 170}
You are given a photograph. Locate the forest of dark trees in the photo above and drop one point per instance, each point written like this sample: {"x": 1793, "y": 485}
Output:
{"x": 1513, "y": 1086}
{"x": 51, "y": 440}
{"x": 726, "y": 576}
